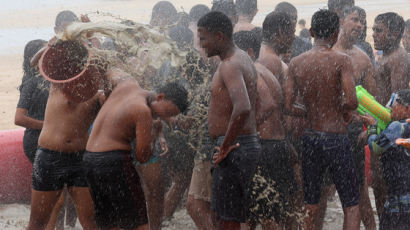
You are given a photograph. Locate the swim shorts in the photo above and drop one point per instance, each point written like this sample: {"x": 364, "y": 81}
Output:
{"x": 275, "y": 179}
{"x": 354, "y": 129}
{"x": 396, "y": 213}
{"x": 116, "y": 190}
{"x": 52, "y": 170}
{"x": 231, "y": 179}
{"x": 331, "y": 151}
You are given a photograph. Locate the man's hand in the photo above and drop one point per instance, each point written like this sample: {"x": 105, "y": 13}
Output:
{"x": 222, "y": 153}
{"x": 164, "y": 146}
{"x": 368, "y": 120}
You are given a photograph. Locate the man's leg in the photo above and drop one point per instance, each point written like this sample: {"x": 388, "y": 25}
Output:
{"x": 154, "y": 192}
{"x": 320, "y": 217}
{"x": 174, "y": 195}
{"x": 351, "y": 218}
{"x": 311, "y": 213}
{"x": 378, "y": 184}
{"x": 57, "y": 216}
{"x": 42, "y": 204}
{"x": 201, "y": 214}
{"x": 84, "y": 206}
{"x": 227, "y": 225}
{"x": 71, "y": 214}
{"x": 366, "y": 210}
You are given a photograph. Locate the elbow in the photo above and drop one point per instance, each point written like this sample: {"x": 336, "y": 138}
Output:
{"x": 18, "y": 120}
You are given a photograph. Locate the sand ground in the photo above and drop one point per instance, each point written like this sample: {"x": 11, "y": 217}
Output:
{"x": 15, "y": 216}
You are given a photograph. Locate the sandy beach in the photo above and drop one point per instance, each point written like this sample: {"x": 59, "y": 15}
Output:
{"x": 35, "y": 19}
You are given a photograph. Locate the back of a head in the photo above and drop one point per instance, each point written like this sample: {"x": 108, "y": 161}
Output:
{"x": 339, "y": 5}
{"x": 198, "y": 11}
{"x": 286, "y": 7}
{"x": 164, "y": 10}
{"x": 177, "y": 94}
{"x": 302, "y": 22}
{"x": 182, "y": 35}
{"x": 274, "y": 23}
{"x": 394, "y": 22}
{"x": 65, "y": 17}
{"x": 216, "y": 21}
{"x": 246, "y": 7}
{"x": 324, "y": 24}
{"x": 247, "y": 40}
{"x": 30, "y": 50}
{"x": 225, "y": 6}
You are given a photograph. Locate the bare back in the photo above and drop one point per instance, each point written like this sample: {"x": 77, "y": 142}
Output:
{"x": 324, "y": 78}
{"x": 119, "y": 118}
{"x": 238, "y": 73}
{"x": 272, "y": 62}
{"x": 269, "y": 105}
{"x": 392, "y": 74}
{"x": 66, "y": 123}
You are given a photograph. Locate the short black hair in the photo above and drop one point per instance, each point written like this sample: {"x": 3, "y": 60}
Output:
{"x": 404, "y": 97}
{"x": 177, "y": 94}
{"x": 274, "y": 23}
{"x": 216, "y": 21}
{"x": 339, "y": 5}
{"x": 324, "y": 24}
{"x": 246, "y": 7}
{"x": 65, "y": 16}
{"x": 225, "y": 6}
{"x": 182, "y": 35}
{"x": 394, "y": 22}
{"x": 30, "y": 50}
{"x": 302, "y": 22}
{"x": 165, "y": 9}
{"x": 286, "y": 7}
{"x": 198, "y": 11}
{"x": 247, "y": 39}
{"x": 349, "y": 10}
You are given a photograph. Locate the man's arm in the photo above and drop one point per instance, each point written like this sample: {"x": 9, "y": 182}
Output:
{"x": 143, "y": 121}
{"x": 290, "y": 92}
{"x": 21, "y": 119}
{"x": 241, "y": 105}
{"x": 346, "y": 73}
{"x": 399, "y": 73}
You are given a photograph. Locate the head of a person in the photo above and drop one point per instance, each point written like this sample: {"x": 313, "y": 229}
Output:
{"x": 325, "y": 26}
{"x": 400, "y": 108}
{"x": 64, "y": 19}
{"x": 171, "y": 100}
{"x": 214, "y": 32}
{"x": 286, "y": 7}
{"x": 338, "y": 6}
{"x": 30, "y": 50}
{"x": 197, "y": 12}
{"x": 302, "y": 23}
{"x": 182, "y": 35}
{"x": 249, "y": 42}
{"x": 353, "y": 22}
{"x": 406, "y": 36}
{"x": 247, "y": 8}
{"x": 388, "y": 29}
{"x": 227, "y": 7}
{"x": 278, "y": 30}
{"x": 164, "y": 14}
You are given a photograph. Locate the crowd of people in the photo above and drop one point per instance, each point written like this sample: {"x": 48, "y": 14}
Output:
{"x": 279, "y": 127}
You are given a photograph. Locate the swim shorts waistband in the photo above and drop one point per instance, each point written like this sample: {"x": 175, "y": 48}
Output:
{"x": 251, "y": 138}
{"x": 49, "y": 151}
{"x": 272, "y": 141}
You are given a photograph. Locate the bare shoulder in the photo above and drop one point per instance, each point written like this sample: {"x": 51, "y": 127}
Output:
{"x": 362, "y": 56}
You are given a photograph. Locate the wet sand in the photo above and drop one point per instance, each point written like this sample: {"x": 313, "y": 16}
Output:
{"x": 15, "y": 216}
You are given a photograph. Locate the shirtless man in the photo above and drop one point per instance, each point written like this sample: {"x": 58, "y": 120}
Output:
{"x": 246, "y": 10}
{"x": 324, "y": 80}
{"x": 351, "y": 26}
{"x": 274, "y": 163}
{"x": 128, "y": 113}
{"x": 58, "y": 159}
{"x": 231, "y": 119}
{"x": 392, "y": 75}
{"x": 278, "y": 35}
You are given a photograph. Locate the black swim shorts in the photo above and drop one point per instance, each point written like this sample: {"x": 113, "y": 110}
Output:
{"x": 52, "y": 170}
{"x": 231, "y": 180}
{"x": 354, "y": 129}
{"x": 330, "y": 151}
{"x": 115, "y": 189}
{"x": 275, "y": 179}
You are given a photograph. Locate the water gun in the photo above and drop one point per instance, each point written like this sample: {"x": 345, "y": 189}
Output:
{"x": 367, "y": 104}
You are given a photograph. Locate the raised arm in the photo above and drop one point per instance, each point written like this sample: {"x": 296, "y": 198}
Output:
{"x": 348, "y": 86}
{"x": 143, "y": 121}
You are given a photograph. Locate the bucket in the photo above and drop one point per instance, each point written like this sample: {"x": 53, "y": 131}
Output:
{"x": 69, "y": 65}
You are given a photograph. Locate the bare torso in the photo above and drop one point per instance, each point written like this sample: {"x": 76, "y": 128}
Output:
{"x": 66, "y": 123}
{"x": 269, "y": 105}
{"x": 317, "y": 74}
{"x": 272, "y": 62}
{"x": 221, "y": 107}
{"x": 115, "y": 126}
{"x": 392, "y": 74}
